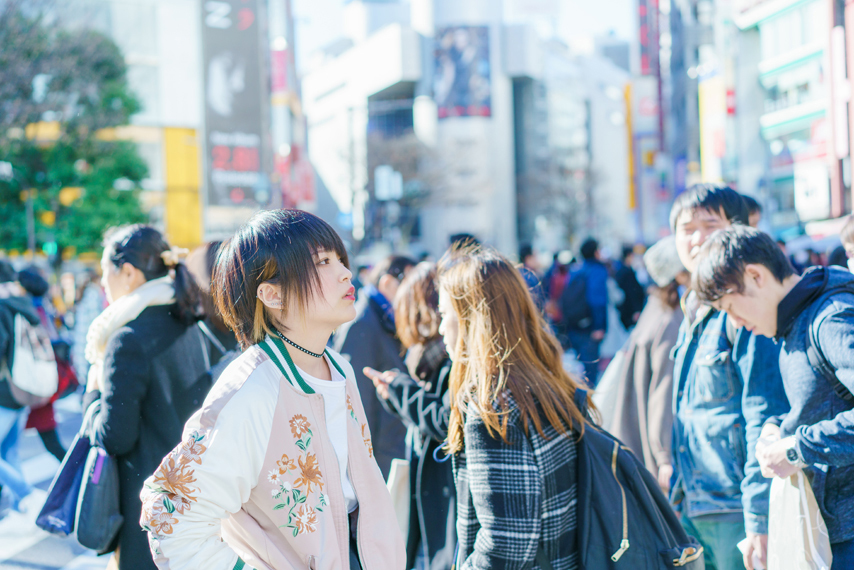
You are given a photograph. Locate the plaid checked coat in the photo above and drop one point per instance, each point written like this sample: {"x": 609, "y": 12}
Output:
{"x": 513, "y": 498}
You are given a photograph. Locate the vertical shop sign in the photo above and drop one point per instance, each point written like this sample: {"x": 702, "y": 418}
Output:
{"x": 233, "y": 111}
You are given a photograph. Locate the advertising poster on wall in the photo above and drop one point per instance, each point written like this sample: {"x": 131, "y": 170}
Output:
{"x": 234, "y": 152}
{"x": 461, "y": 86}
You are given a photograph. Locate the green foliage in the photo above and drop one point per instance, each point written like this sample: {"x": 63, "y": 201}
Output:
{"x": 78, "y": 79}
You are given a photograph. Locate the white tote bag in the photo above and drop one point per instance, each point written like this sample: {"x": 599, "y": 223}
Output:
{"x": 605, "y": 394}
{"x": 398, "y": 488}
{"x": 797, "y": 534}
{"x": 34, "y": 375}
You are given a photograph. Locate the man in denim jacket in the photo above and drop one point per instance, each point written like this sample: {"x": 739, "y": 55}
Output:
{"x": 745, "y": 274}
{"x": 727, "y": 384}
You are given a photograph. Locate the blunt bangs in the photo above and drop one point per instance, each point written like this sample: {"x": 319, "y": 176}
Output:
{"x": 277, "y": 246}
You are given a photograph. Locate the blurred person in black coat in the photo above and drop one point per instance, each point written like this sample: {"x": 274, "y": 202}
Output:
{"x": 371, "y": 340}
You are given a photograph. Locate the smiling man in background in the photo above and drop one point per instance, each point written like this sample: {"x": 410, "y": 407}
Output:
{"x": 727, "y": 384}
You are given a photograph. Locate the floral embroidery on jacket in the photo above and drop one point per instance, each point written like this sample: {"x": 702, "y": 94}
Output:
{"x": 174, "y": 486}
{"x": 365, "y": 439}
{"x": 302, "y": 518}
{"x": 350, "y": 408}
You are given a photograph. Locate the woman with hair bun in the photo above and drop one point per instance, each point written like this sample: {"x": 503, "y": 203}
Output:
{"x": 146, "y": 358}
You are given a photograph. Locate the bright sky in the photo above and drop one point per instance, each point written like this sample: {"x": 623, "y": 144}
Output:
{"x": 320, "y": 22}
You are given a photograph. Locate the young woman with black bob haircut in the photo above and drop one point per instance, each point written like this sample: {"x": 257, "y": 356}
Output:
{"x": 276, "y": 470}
{"x": 147, "y": 358}
{"x": 512, "y": 411}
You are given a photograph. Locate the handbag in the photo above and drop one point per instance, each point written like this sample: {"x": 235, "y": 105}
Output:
{"x": 98, "y": 518}
{"x": 797, "y": 534}
{"x": 607, "y": 390}
{"x": 398, "y": 488}
{"x": 60, "y": 507}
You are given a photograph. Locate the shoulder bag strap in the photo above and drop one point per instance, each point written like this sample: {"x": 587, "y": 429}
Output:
{"x": 816, "y": 356}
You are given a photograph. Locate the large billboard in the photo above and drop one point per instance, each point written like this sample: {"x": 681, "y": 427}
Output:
{"x": 461, "y": 86}
{"x": 234, "y": 90}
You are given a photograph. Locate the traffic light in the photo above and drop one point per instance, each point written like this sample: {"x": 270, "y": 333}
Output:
{"x": 49, "y": 248}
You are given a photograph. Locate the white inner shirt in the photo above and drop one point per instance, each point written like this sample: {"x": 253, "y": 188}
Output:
{"x": 335, "y": 407}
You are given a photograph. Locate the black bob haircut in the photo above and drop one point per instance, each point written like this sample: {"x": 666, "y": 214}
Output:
{"x": 711, "y": 198}
{"x": 724, "y": 256}
{"x": 276, "y": 246}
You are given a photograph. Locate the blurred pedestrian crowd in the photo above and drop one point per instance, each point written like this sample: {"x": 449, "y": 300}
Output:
{"x": 268, "y": 408}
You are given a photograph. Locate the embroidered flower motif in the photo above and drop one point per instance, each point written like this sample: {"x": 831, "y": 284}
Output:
{"x": 192, "y": 449}
{"x": 159, "y": 520}
{"x": 305, "y": 520}
{"x": 367, "y": 440}
{"x": 173, "y": 486}
{"x": 299, "y": 426}
{"x": 174, "y": 477}
{"x": 285, "y": 464}
{"x": 309, "y": 473}
{"x": 181, "y": 504}
{"x": 350, "y": 408}
{"x": 294, "y": 496}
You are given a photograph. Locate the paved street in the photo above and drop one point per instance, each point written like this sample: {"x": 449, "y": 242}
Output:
{"x": 31, "y": 548}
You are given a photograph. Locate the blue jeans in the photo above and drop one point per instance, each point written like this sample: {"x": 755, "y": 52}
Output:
{"x": 587, "y": 350}
{"x": 11, "y": 477}
{"x": 719, "y": 537}
{"x": 843, "y": 555}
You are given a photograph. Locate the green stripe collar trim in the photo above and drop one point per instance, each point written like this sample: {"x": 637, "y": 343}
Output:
{"x": 278, "y": 353}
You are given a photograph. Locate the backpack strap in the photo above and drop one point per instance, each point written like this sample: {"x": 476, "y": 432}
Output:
{"x": 581, "y": 402}
{"x": 815, "y": 356}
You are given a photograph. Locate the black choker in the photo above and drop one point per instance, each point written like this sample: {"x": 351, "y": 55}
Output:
{"x": 298, "y": 347}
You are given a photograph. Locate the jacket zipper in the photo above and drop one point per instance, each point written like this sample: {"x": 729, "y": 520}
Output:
{"x": 624, "y": 544}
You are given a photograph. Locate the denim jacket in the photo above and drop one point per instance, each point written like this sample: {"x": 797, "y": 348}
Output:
{"x": 724, "y": 394}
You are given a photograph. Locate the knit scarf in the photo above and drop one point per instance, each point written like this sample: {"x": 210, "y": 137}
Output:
{"x": 155, "y": 292}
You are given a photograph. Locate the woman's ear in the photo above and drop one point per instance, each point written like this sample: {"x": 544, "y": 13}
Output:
{"x": 270, "y": 295}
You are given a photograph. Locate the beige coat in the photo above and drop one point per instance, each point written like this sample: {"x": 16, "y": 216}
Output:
{"x": 255, "y": 482}
{"x": 643, "y": 414}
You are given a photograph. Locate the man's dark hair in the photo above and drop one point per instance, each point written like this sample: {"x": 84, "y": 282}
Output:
{"x": 394, "y": 265}
{"x": 525, "y": 251}
{"x": 724, "y": 256}
{"x": 7, "y": 272}
{"x": 628, "y": 250}
{"x": 589, "y": 249}
{"x": 32, "y": 281}
{"x": 712, "y": 198}
{"x": 753, "y": 207}
{"x": 458, "y": 241}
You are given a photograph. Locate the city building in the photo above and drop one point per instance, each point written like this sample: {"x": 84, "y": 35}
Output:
{"x": 488, "y": 125}
{"x": 221, "y": 127}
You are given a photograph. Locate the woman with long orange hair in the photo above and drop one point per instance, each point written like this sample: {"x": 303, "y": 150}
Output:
{"x": 514, "y": 425}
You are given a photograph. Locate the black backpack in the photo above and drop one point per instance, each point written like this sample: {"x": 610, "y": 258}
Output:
{"x": 574, "y": 307}
{"x": 815, "y": 355}
{"x": 623, "y": 518}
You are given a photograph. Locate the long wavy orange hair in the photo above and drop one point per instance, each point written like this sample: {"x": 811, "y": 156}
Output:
{"x": 504, "y": 344}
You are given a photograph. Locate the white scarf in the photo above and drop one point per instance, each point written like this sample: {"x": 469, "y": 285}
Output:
{"x": 152, "y": 293}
